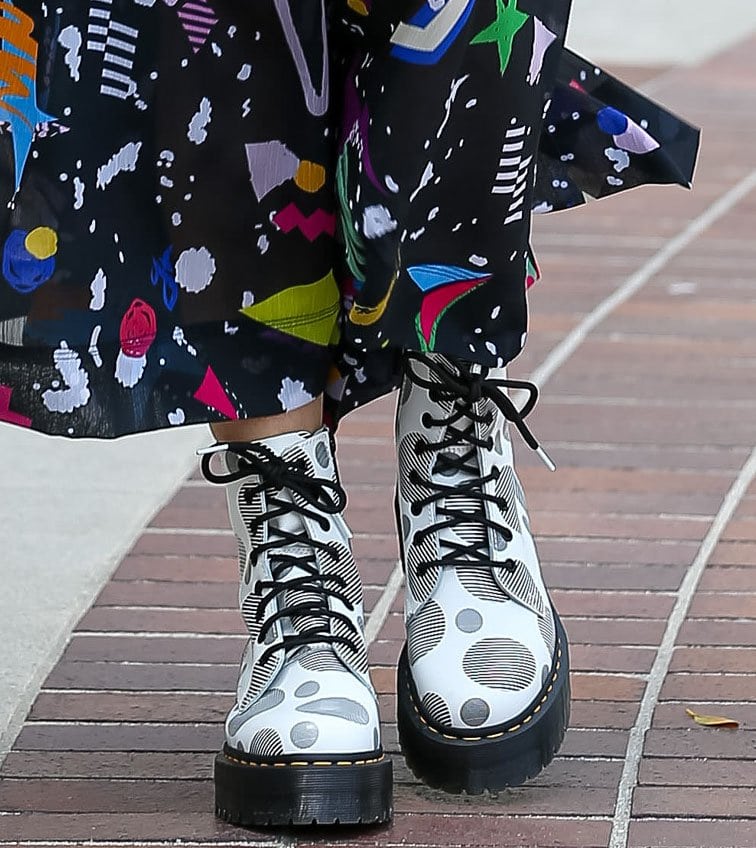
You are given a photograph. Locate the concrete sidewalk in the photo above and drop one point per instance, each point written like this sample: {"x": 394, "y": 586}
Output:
{"x": 642, "y": 337}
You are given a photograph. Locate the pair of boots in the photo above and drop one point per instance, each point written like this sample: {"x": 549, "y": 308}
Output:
{"x": 482, "y": 688}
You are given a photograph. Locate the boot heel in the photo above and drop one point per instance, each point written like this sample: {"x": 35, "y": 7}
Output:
{"x": 261, "y": 795}
{"x": 507, "y": 755}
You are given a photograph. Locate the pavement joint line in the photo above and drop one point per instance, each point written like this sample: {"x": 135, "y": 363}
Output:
{"x": 382, "y": 609}
{"x": 635, "y": 516}
{"x": 556, "y": 399}
{"x": 146, "y": 843}
{"x": 724, "y": 703}
{"x": 719, "y": 675}
{"x": 153, "y": 634}
{"x": 715, "y": 819}
{"x": 721, "y": 207}
{"x": 214, "y": 693}
{"x": 635, "y": 539}
{"x": 186, "y": 531}
{"x": 139, "y": 663}
{"x": 634, "y": 542}
{"x": 116, "y": 723}
{"x": 630, "y": 772}
{"x": 629, "y": 675}
{"x": 679, "y": 446}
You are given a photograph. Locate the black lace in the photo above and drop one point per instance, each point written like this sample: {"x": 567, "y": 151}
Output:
{"x": 464, "y": 388}
{"x": 323, "y": 496}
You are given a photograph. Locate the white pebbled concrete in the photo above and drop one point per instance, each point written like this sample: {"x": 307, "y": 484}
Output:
{"x": 658, "y": 32}
{"x": 69, "y": 510}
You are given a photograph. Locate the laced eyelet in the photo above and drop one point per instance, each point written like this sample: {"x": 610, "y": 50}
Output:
{"x": 426, "y": 419}
{"x": 489, "y": 443}
{"x": 415, "y": 509}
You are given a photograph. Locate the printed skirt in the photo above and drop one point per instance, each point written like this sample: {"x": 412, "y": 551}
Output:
{"x": 215, "y": 210}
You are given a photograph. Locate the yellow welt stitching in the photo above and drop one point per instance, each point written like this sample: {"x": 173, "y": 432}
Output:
{"x": 299, "y": 764}
{"x": 516, "y": 727}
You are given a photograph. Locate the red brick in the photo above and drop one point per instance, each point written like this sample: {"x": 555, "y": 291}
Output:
{"x": 178, "y": 568}
{"x": 105, "y": 796}
{"x": 566, "y": 524}
{"x": 145, "y": 676}
{"x": 605, "y": 687}
{"x": 693, "y": 833}
{"x": 603, "y": 714}
{"x": 618, "y": 551}
{"x": 618, "y": 631}
{"x": 384, "y": 679}
{"x": 706, "y": 632}
{"x": 136, "y": 620}
{"x": 609, "y": 604}
{"x": 714, "y": 659}
{"x": 720, "y": 605}
{"x": 717, "y": 687}
{"x": 553, "y": 800}
{"x": 91, "y": 827}
{"x": 118, "y": 706}
{"x": 611, "y": 658}
{"x": 183, "y": 544}
{"x": 85, "y": 647}
{"x": 609, "y": 576}
{"x": 734, "y": 553}
{"x": 697, "y": 742}
{"x": 149, "y": 593}
{"x": 486, "y": 831}
{"x": 588, "y": 478}
{"x": 673, "y": 715}
{"x": 110, "y": 765}
{"x": 703, "y": 773}
{"x": 725, "y": 802}
{"x": 727, "y": 579}
{"x": 594, "y": 743}
{"x": 117, "y": 737}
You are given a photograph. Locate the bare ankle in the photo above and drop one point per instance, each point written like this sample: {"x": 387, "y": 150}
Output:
{"x": 308, "y": 418}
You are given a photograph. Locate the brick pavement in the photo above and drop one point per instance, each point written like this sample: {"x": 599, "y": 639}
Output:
{"x": 647, "y": 533}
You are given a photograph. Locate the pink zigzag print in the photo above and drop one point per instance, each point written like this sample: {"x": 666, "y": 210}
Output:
{"x": 198, "y": 19}
{"x": 311, "y": 226}
{"x": 5, "y": 410}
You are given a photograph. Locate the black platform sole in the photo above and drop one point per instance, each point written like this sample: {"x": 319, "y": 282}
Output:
{"x": 505, "y": 756}
{"x": 260, "y": 795}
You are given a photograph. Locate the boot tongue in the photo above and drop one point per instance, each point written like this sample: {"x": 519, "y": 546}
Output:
{"x": 472, "y": 531}
{"x": 293, "y": 523}
{"x": 297, "y": 624}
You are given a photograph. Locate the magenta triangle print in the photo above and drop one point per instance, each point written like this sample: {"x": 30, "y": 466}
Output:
{"x": 198, "y": 19}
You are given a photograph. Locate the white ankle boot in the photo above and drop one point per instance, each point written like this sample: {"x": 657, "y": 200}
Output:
{"x": 303, "y": 740}
{"x": 483, "y": 691}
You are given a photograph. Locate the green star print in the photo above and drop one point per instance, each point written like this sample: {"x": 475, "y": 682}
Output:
{"x": 509, "y": 21}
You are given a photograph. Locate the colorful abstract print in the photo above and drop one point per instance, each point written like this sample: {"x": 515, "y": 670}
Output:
{"x": 215, "y": 210}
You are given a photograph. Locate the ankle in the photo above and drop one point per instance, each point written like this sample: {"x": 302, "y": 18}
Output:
{"x": 307, "y": 418}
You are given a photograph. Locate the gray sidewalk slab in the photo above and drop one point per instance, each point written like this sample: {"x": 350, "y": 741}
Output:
{"x": 68, "y": 512}
{"x": 658, "y": 32}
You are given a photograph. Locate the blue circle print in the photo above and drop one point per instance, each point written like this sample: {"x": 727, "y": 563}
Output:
{"x": 612, "y": 121}
{"x": 21, "y": 269}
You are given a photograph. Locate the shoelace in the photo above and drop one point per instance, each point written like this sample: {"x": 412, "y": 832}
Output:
{"x": 465, "y": 389}
{"x": 324, "y": 496}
